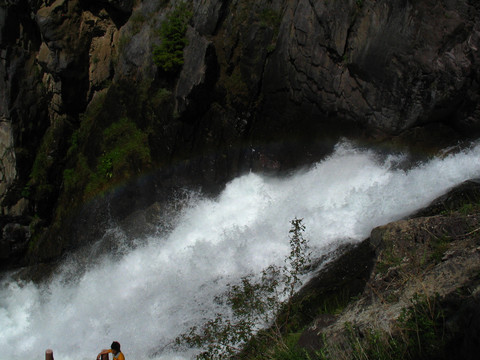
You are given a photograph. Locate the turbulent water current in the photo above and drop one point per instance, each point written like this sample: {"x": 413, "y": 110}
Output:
{"x": 152, "y": 292}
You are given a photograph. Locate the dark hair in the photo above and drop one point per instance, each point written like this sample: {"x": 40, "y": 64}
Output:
{"x": 115, "y": 346}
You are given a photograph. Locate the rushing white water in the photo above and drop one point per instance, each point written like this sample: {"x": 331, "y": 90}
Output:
{"x": 154, "y": 292}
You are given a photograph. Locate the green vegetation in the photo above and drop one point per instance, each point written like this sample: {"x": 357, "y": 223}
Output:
{"x": 390, "y": 258}
{"x": 335, "y": 303}
{"x": 87, "y": 124}
{"x": 45, "y": 175}
{"x": 122, "y": 44}
{"x": 237, "y": 89}
{"x": 270, "y": 18}
{"x": 169, "y": 54}
{"x": 75, "y": 177}
{"x": 372, "y": 345}
{"x": 112, "y": 144}
{"x": 285, "y": 350}
{"x": 423, "y": 327}
{"x": 419, "y": 331}
{"x": 439, "y": 246}
{"x": 74, "y": 180}
{"x": 43, "y": 161}
{"x": 26, "y": 191}
{"x": 125, "y": 153}
{"x": 162, "y": 96}
{"x": 253, "y": 302}
{"x": 469, "y": 208}
{"x": 419, "y": 334}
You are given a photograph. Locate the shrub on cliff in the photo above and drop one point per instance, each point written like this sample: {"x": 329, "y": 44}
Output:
{"x": 253, "y": 303}
{"x": 169, "y": 54}
{"x": 125, "y": 154}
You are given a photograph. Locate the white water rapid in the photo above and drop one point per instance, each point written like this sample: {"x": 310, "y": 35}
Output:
{"x": 154, "y": 292}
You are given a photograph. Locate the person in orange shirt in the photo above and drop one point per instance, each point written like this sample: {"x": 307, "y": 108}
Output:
{"x": 115, "y": 350}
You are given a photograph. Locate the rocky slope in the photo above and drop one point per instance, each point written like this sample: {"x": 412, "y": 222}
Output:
{"x": 265, "y": 84}
{"x": 415, "y": 281}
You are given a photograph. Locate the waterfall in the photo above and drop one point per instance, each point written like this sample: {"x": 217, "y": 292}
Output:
{"x": 150, "y": 293}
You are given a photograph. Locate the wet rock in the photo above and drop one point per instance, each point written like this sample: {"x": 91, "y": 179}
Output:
{"x": 467, "y": 193}
{"x": 101, "y": 55}
{"x": 196, "y": 81}
{"x": 463, "y": 321}
{"x": 14, "y": 238}
{"x": 134, "y": 47}
{"x": 391, "y": 62}
{"x": 22, "y": 105}
{"x": 335, "y": 283}
{"x": 122, "y": 5}
{"x": 50, "y": 19}
{"x": 8, "y": 171}
{"x": 207, "y": 14}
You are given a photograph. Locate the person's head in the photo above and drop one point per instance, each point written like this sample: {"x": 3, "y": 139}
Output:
{"x": 115, "y": 347}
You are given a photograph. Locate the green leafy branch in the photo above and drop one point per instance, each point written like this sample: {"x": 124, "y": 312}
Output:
{"x": 253, "y": 303}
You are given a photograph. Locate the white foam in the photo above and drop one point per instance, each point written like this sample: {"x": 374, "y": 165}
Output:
{"x": 156, "y": 291}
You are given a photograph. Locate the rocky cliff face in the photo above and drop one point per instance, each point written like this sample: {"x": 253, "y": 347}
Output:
{"x": 266, "y": 84}
{"x": 49, "y": 75}
{"x": 385, "y": 66}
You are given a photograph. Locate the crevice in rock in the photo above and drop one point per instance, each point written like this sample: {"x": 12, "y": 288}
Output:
{"x": 119, "y": 15}
{"x": 223, "y": 14}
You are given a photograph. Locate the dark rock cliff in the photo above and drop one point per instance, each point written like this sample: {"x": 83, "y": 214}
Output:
{"x": 266, "y": 84}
